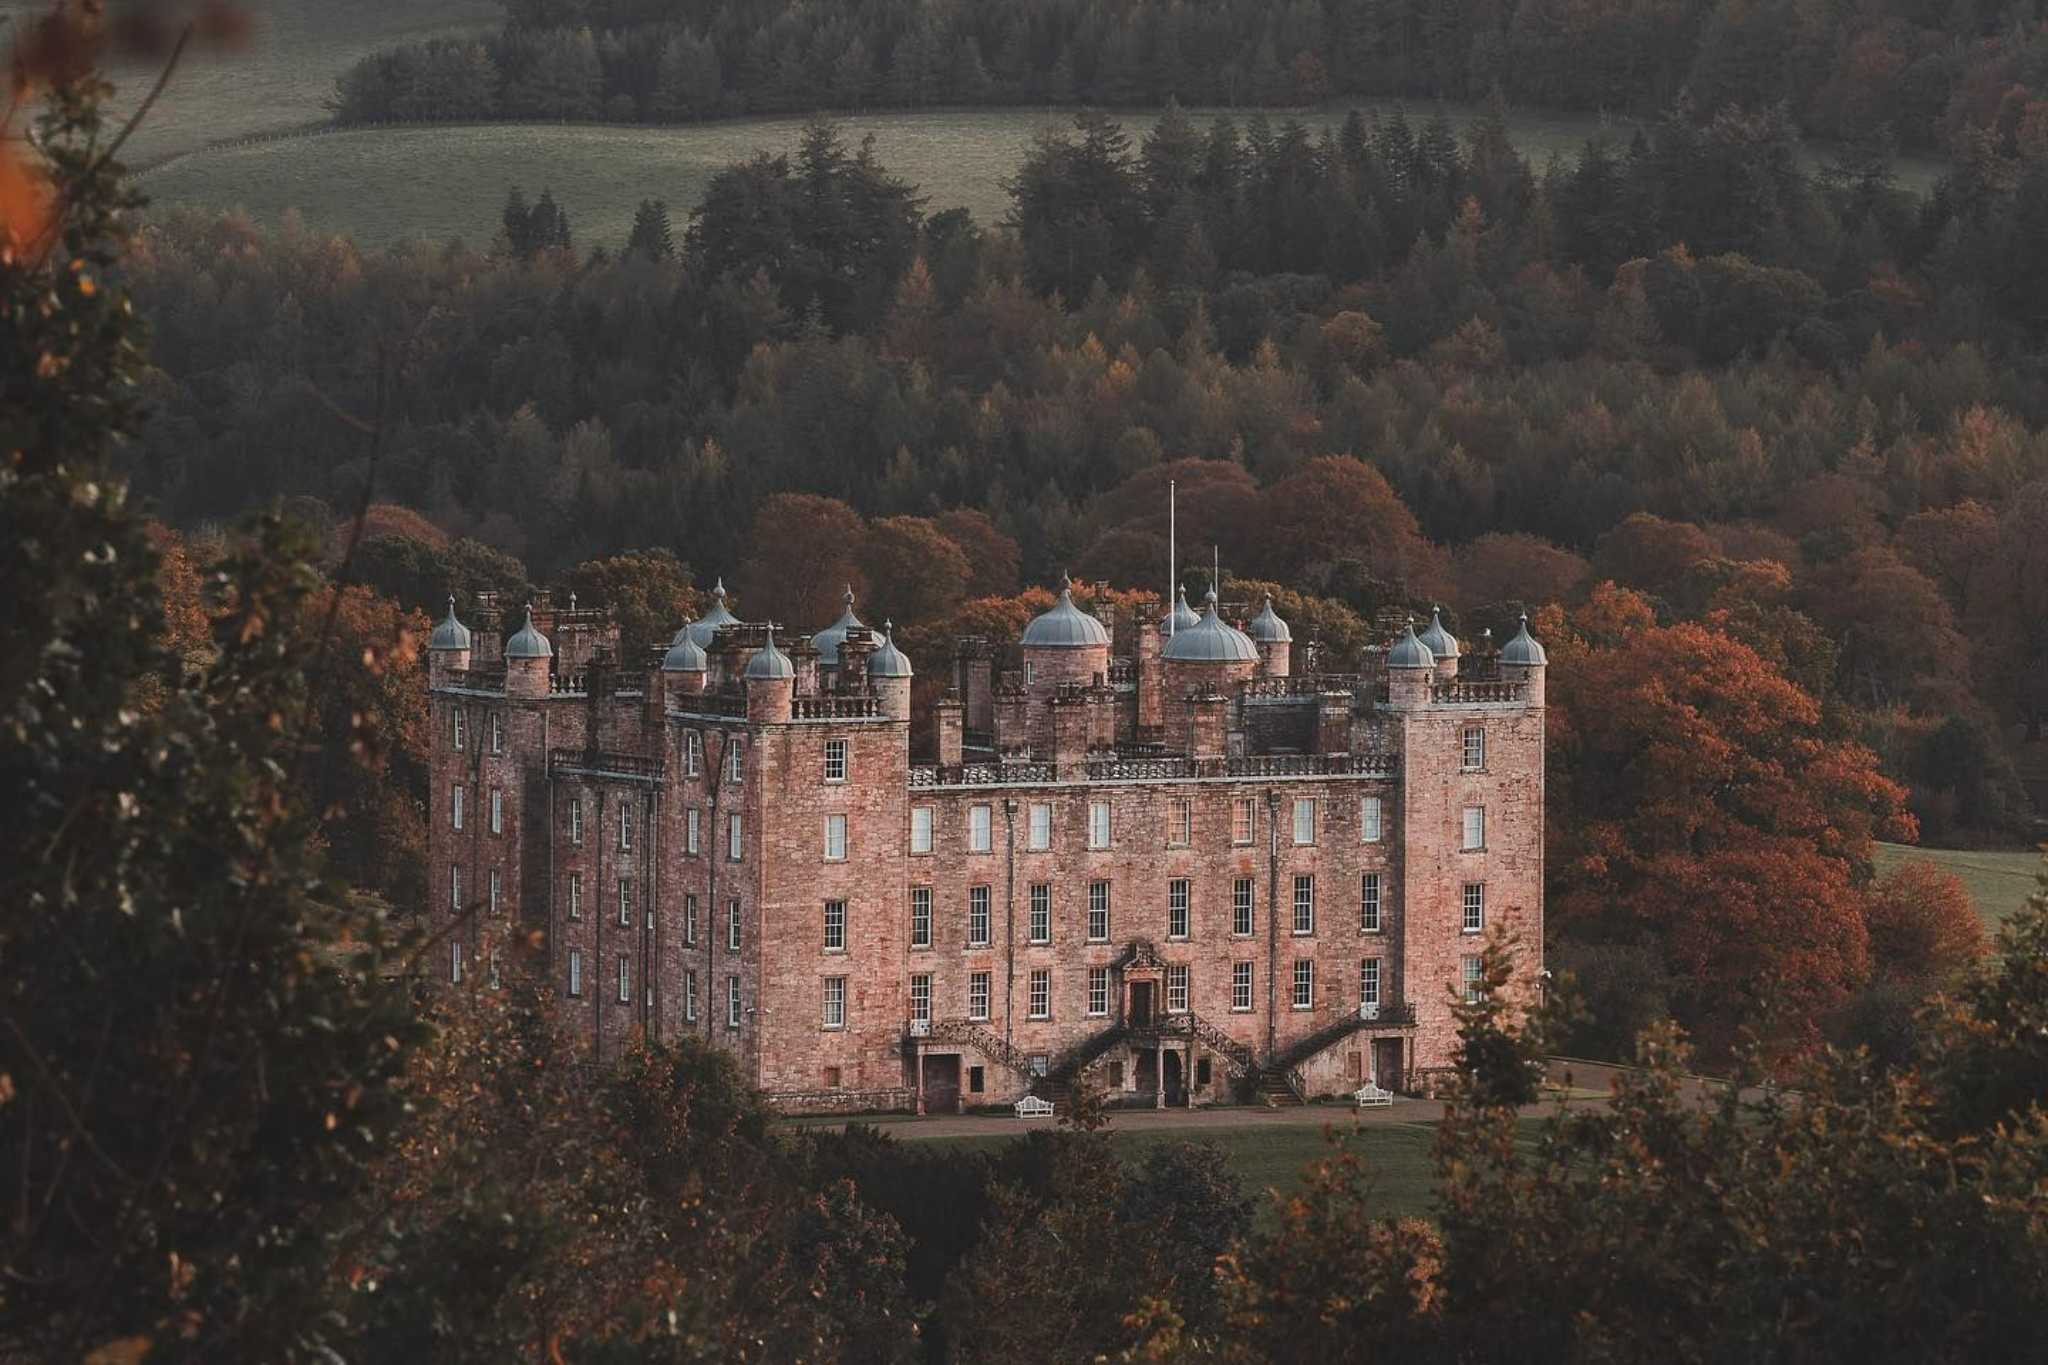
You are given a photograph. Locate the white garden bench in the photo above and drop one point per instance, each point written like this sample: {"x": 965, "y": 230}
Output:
{"x": 1370, "y": 1096}
{"x": 1032, "y": 1107}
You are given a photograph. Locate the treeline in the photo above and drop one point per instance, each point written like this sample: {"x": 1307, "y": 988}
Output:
{"x": 1925, "y": 75}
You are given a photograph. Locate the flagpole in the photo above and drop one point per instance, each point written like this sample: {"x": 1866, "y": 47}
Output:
{"x": 1172, "y": 550}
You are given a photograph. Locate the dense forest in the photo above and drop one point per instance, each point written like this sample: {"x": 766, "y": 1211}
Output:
{"x": 1927, "y": 75}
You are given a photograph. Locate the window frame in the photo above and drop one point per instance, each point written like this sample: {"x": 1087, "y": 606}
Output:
{"x": 1303, "y": 922}
{"x": 576, "y": 821}
{"x": 978, "y": 997}
{"x": 1372, "y": 916}
{"x": 1244, "y": 908}
{"x": 575, "y": 895}
{"x": 1242, "y": 976}
{"x": 459, "y": 738}
{"x": 921, "y": 821}
{"x": 625, "y": 980}
{"x": 1472, "y": 908}
{"x": 1371, "y": 980}
{"x": 693, "y": 753}
{"x": 732, "y": 1002}
{"x": 1472, "y": 737}
{"x": 1302, "y": 992}
{"x": 1179, "y": 908}
{"x": 1098, "y": 992}
{"x": 1098, "y": 906}
{"x": 1180, "y": 823}
{"x": 625, "y": 902}
{"x": 834, "y": 995}
{"x": 735, "y": 760}
{"x": 836, "y": 749}
{"x": 835, "y": 926}
{"x": 693, "y": 832}
{"x": 980, "y": 915}
{"x": 690, "y": 995}
{"x": 1244, "y": 821}
{"x": 455, "y": 807}
{"x": 689, "y": 919}
{"x": 981, "y": 825}
{"x": 497, "y": 810}
{"x": 1178, "y": 987}
{"x": 920, "y": 917}
{"x": 455, "y": 888}
{"x": 1472, "y": 971}
{"x": 735, "y": 837}
{"x": 497, "y": 732}
{"x": 625, "y": 826}
{"x": 1101, "y": 825}
{"x": 835, "y": 824}
{"x": 733, "y": 933}
{"x": 454, "y": 962}
{"x": 1038, "y": 827}
{"x": 1039, "y": 921}
{"x": 921, "y": 997}
{"x": 1038, "y": 994}
{"x": 1372, "y": 820}
{"x": 575, "y": 973}
{"x": 1466, "y": 843}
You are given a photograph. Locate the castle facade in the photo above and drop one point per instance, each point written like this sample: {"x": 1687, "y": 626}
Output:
{"x": 1148, "y": 850}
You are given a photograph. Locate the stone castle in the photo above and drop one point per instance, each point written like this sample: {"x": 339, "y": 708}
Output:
{"x": 1148, "y": 849}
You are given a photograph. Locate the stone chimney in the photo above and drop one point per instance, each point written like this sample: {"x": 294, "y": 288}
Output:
{"x": 1208, "y": 715}
{"x": 1071, "y": 723}
{"x": 949, "y": 716}
{"x": 1150, "y": 713}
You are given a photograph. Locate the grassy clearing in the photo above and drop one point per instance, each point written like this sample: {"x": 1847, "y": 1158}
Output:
{"x": 432, "y": 183}
{"x": 284, "y": 74}
{"x": 1998, "y": 880}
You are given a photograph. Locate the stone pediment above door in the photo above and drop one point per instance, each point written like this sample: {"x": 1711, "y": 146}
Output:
{"x": 1140, "y": 956}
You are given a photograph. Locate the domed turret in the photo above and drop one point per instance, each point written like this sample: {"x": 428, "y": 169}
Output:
{"x": 1066, "y": 626}
{"x": 1267, "y": 627}
{"x": 685, "y": 656}
{"x": 1181, "y": 618}
{"x": 770, "y": 664}
{"x": 1274, "y": 640}
{"x": 529, "y": 643}
{"x": 451, "y": 633}
{"x": 528, "y": 660}
{"x": 889, "y": 661}
{"x": 706, "y": 626}
{"x": 1410, "y": 652}
{"x": 828, "y": 640}
{"x": 1440, "y": 641}
{"x": 1211, "y": 640}
{"x": 1523, "y": 650}
{"x": 889, "y": 675}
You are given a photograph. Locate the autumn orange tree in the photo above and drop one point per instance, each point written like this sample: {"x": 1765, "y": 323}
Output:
{"x": 1699, "y": 803}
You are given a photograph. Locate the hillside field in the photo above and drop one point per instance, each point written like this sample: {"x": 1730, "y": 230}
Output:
{"x": 382, "y": 185}
{"x": 1998, "y": 880}
{"x": 282, "y": 77}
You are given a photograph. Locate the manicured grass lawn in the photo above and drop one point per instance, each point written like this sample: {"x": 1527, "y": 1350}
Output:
{"x": 382, "y": 185}
{"x": 1999, "y": 881}
{"x": 1272, "y": 1157}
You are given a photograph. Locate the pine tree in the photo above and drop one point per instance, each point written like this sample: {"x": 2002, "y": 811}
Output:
{"x": 652, "y": 236}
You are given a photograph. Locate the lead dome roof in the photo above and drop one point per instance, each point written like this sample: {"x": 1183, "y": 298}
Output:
{"x": 1066, "y": 626}
{"x": 1211, "y": 640}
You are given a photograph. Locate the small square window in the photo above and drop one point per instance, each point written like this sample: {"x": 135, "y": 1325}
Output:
{"x": 832, "y": 1074}
{"x": 835, "y": 760}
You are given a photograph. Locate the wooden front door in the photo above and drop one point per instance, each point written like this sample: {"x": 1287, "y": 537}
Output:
{"x": 942, "y": 1083}
{"x": 1386, "y": 1063}
{"x": 1141, "y": 1004}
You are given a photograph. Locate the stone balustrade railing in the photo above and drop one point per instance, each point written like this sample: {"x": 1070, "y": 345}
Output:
{"x": 836, "y": 708}
{"x": 1469, "y": 693}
